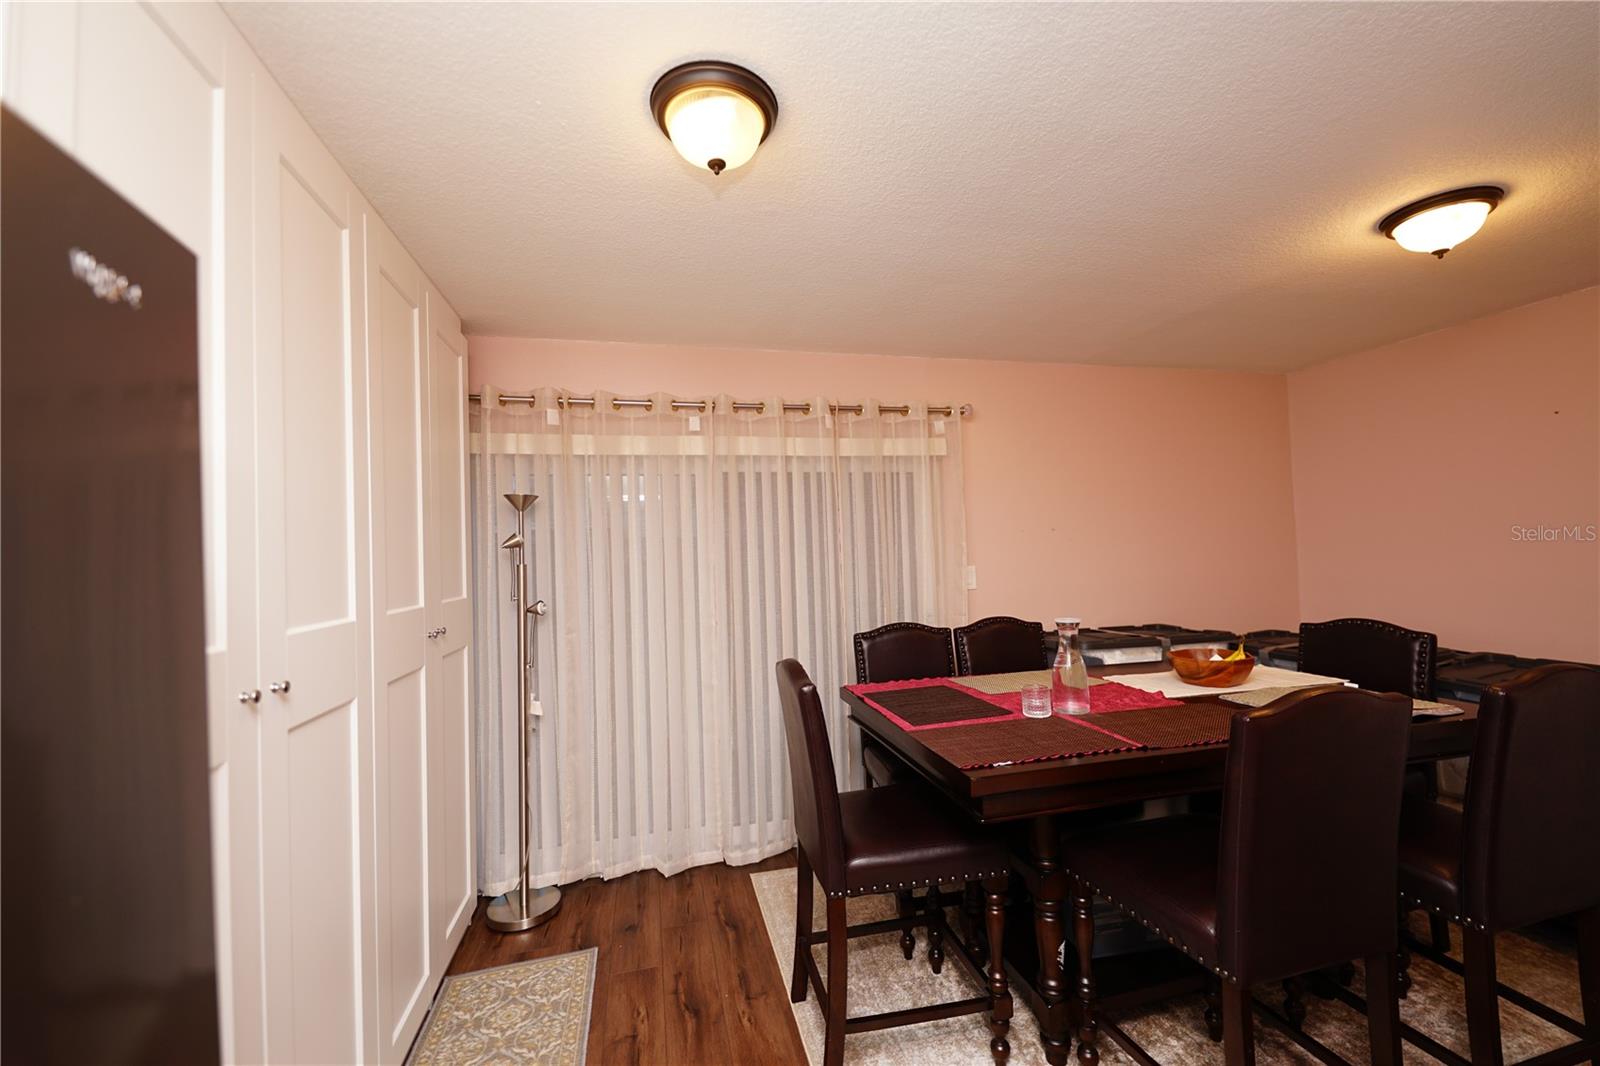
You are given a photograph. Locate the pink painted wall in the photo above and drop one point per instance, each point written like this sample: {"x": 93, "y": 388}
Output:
{"x": 1055, "y": 525}
{"x": 1415, "y": 463}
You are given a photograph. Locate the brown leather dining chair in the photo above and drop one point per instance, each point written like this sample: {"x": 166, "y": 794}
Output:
{"x": 1263, "y": 894}
{"x": 899, "y": 651}
{"x": 1375, "y": 655}
{"x": 1382, "y": 657}
{"x": 1525, "y": 848}
{"x": 875, "y": 841}
{"x": 999, "y": 644}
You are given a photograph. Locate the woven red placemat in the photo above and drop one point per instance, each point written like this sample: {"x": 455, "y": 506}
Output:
{"x": 1182, "y": 725}
{"x": 1019, "y": 740}
{"x": 936, "y": 703}
{"x": 1106, "y": 696}
{"x": 1112, "y": 696}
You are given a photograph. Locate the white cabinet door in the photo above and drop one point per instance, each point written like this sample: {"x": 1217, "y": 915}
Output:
{"x": 450, "y": 616}
{"x": 310, "y": 425}
{"x": 397, "y": 377}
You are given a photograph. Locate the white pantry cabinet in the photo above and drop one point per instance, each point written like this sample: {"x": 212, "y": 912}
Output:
{"x": 453, "y": 891}
{"x": 314, "y": 749}
{"x": 333, "y": 418}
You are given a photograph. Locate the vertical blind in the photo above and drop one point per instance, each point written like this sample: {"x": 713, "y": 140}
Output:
{"x": 682, "y": 554}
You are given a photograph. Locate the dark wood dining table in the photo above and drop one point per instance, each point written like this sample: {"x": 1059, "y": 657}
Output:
{"x": 1034, "y": 802}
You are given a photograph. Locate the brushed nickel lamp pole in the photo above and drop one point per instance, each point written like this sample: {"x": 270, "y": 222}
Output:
{"x": 522, "y": 908}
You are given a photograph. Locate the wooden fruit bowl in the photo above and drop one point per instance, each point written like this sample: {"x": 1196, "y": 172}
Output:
{"x": 1196, "y": 666}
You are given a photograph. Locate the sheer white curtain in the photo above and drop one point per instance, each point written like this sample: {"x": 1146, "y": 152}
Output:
{"x": 682, "y": 554}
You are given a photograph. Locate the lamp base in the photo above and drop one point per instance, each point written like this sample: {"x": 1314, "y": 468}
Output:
{"x": 505, "y": 912}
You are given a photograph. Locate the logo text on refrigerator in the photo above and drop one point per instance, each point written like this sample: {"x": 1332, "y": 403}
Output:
{"x": 104, "y": 281}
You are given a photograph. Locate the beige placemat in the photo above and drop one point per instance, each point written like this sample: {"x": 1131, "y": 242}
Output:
{"x": 1263, "y": 696}
{"x": 998, "y": 684}
{"x": 1260, "y": 697}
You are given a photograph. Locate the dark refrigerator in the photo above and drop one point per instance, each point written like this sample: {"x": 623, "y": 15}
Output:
{"x": 106, "y": 948}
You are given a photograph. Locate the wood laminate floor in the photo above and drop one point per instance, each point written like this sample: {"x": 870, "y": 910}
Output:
{"x": 685, "y": 973}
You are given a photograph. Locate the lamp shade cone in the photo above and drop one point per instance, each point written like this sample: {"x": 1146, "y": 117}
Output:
{"x": 521, "y": 500}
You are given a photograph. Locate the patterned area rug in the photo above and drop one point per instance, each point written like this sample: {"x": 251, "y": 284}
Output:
{"x": 1173, "y": 1032}
{"x": 526, "y": 1012}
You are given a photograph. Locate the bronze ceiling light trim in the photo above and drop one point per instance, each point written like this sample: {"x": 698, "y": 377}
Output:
{"x": 1435, "y": 224}
{"x": 715, "y": 114}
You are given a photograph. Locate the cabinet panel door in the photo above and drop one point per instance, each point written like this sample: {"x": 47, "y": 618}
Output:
{"x": 450, "y": 731}
{"x": 309, "y": 424}
{"x": 402, "y": 684}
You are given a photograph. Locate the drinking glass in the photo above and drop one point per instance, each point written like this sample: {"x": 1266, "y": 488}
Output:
{"x": 1036, "y": 701}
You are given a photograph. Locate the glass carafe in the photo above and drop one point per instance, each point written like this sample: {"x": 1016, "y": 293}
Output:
{"x": 1069, "y": 680}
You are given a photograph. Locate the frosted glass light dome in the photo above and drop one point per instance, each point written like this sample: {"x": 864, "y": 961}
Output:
{"x": 1439, "y": 223}
{"x": 714, "y": 127}
{"x": 1442, "y": 228}
{"x": 715, "y": 114}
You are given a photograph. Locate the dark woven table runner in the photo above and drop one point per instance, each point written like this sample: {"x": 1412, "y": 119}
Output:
{"x": 1183, "y": 726}
{"x": 935, "y": 705}
{"x": 1019, "y": 740}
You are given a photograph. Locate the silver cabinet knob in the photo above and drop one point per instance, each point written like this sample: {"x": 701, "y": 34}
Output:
{"x": 280, "y": 687}
{"x": 433, "y": 634}
{"x": 443, "y": 630}
{"x": 252, "y": 695}
{"x": 539, "y": 608}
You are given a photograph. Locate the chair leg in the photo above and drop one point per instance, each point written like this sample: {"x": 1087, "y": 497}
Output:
{"x": 838, "y": 978}
{"x": 1589, "y": 968}
{"x": 802, "y": 926}
{"x": 972, "y": 919}
{"x": 1439, "y": 931}
{"x": 1213, "y": 1011}
{"x": 1383, "y": 1011}
{"x": 994, "y": 889}
{"x": 935, "y": 931}
{"x": 906, "y": 904}
{"x": 1483, "y": 997}
{"x": 1083, "y": 934}
{"x": 1294, "y": 1001}
{"x": 1402, "y": 957}
{"x": 1238, "y": 1033}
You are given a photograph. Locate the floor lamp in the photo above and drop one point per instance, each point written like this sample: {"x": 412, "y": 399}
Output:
{"x": 522, "y": 907}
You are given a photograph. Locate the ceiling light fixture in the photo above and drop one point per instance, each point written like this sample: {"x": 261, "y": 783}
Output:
{"x": 1436, "y": 224}
{"x": 715, "y": 114}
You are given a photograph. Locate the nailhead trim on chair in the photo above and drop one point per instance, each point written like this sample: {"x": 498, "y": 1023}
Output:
{"x": 1157, "y": 930}
{"x": 894, "y": 627}
{"x": 1419, "y": 904}
{"x": 927, "y": 882}
{"x": 1421, "y": 664}
{"x": 959, "y": 633}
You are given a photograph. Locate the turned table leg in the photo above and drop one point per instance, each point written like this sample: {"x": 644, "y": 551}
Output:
{"x": 1055, "y": 1025}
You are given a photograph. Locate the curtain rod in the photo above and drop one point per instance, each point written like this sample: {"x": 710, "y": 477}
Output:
{"x": 738, "y": 405}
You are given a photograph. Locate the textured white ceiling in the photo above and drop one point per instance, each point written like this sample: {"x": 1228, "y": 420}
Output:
{"x": 1177, "y": 185}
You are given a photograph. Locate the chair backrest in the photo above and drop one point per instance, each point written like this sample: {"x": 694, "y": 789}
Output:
{"x": 817, "y": 821}
{"x": 1531, "y": 834}
{"x": 1307, "y": 869}
{"x": 999, "y": 645}
{"x": 901, "y": 651}
{"x": 1375, "y": 655}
